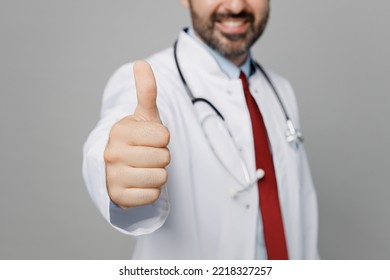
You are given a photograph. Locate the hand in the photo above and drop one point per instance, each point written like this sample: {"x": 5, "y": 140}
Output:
{"x": 136, "y": 154}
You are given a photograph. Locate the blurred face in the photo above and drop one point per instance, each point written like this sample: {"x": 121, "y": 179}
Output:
{"x": 230, "y": 27}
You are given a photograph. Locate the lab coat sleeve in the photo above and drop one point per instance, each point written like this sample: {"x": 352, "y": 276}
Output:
{"x": 119, "y": 100}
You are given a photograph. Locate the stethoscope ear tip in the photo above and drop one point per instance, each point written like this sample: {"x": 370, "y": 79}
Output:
{"x": 259, "y": 174}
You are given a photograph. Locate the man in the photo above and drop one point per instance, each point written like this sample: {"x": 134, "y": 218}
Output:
{"x": 236, "y": 188}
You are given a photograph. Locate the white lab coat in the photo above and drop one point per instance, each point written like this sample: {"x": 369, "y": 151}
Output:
{"x": 195, "y": 216}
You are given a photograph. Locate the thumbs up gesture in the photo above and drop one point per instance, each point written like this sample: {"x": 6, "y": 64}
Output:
{"x": 136, "y": 154}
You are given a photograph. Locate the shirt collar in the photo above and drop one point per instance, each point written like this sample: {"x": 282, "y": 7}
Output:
{"x": 229, "y": 68}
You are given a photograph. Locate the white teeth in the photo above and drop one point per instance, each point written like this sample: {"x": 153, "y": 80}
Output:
{"x": 232, "y": 24}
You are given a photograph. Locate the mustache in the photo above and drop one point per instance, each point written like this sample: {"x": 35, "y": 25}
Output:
{"x": 243, "y": 15}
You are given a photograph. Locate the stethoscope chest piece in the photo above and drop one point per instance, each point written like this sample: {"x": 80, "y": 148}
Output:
{"x": 293, "y": 135}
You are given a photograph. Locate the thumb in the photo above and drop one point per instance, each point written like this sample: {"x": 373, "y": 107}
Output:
{"x": 146, "y": 88}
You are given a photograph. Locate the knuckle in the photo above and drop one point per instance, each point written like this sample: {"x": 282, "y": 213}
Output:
{"x": 156, "y": 178}
{"x": 115, "y": 196}
{"x": 120, "y": 127}
{"x": 154, "y": 194}
{"x": 166, "y": 157}
{"x": 111, "y": 155}
{"x": 113, "y": 176}
{"x": 163, "y": 178}
{"x": 116, "y": 130}
{"x": 165, "y": 136}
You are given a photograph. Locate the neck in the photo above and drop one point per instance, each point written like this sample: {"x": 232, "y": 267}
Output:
{"x": 238, "y": 60}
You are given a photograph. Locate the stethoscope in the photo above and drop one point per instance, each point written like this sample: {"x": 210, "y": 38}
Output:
{"x": 293, "y": 135}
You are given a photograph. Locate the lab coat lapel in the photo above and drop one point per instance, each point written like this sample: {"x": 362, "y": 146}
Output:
{"x": 285, "y": 162}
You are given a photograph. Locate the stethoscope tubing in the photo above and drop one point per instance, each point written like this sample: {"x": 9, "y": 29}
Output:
{"x": 194, "y": 99}
{"x": 293, "y": 135}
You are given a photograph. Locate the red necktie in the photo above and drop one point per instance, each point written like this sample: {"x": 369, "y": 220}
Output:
{"x": 275, "y": 241}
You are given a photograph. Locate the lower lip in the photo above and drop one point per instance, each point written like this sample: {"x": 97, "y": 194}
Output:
{"x": 233, "y": 30}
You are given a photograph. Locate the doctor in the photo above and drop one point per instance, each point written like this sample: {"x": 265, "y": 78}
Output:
{"x": 191, "y": 155}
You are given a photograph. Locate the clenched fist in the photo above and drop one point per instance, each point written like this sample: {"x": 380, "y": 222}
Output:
{"x": 136, "y": 154}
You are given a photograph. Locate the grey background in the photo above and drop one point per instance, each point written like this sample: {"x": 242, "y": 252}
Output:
{"x": 56, "y": 56}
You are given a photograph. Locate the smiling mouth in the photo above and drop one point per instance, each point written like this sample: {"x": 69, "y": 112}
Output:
{"x": 233, "y": 26}
{"x": 232, "y": 23}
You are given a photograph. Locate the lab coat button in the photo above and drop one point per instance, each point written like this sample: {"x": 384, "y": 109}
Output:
{"x": 248, "y": 206}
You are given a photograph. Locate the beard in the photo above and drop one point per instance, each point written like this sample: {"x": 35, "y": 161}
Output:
{"x": 229, "y": 45}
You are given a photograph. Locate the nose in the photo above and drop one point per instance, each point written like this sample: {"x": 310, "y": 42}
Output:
{"x": 235, "y": 6}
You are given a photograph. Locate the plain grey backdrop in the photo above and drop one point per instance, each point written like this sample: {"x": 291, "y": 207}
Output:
{"x": 56, "y": 57}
